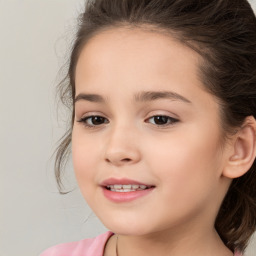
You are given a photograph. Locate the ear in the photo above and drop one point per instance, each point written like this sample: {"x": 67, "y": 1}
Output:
{"x": 243, "y": 150}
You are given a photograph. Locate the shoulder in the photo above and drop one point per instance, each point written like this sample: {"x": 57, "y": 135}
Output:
{"x": 86, "y": 247}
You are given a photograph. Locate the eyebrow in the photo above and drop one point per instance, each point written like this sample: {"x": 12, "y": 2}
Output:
{"x": 143, "y": 96}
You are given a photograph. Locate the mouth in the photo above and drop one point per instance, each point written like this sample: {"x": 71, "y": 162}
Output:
{"x": 124, "y": 188}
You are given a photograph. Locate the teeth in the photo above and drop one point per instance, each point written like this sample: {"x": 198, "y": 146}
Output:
{"x": 126, "y": 188}
{"x": 116, "y": 186}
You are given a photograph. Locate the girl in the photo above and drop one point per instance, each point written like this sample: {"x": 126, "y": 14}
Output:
{"x": 163, "y": 126}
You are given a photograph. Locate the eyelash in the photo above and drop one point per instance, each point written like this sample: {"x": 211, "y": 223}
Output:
{"x": 172, "y": 121}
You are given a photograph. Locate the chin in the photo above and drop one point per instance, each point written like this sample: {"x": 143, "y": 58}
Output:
{"x": 126, "y": 229}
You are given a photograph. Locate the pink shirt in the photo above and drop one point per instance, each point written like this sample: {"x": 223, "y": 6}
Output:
{"x": 87, "y": 247}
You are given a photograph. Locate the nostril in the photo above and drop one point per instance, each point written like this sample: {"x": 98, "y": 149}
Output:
{"x": 122, "y": 160}
{"x": 126, "y": 159}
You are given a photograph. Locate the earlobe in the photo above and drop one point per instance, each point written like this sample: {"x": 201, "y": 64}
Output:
{"x": 243, "y": 152}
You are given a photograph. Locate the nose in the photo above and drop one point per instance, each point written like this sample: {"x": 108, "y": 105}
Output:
{"x": 122, "y": 147}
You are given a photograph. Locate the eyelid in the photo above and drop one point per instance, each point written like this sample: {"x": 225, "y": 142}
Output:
{"x": 163, "y": 112}
{"x": 89, "y": 114}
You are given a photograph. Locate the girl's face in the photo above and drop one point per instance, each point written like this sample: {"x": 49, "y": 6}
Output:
{"x": 154, "y": 124}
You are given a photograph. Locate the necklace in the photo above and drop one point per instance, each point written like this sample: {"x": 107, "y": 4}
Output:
{"x": 116, "y": 245}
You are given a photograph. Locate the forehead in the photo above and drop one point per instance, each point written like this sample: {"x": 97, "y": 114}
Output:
{"x": 135, "y": 53}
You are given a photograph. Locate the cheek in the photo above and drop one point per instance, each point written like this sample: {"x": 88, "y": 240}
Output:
{"x": 84, "y": 157}
{"x": 188, "y": 180}
{"x": 189, "y": 161}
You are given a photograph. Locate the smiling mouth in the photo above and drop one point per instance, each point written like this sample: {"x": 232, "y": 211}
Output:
{"x": 127, "y": 188}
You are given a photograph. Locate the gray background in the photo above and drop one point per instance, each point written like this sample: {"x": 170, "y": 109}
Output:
{"x": 34, "y": 40}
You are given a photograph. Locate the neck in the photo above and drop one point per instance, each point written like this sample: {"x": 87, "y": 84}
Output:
{"x": 164, "y": 244}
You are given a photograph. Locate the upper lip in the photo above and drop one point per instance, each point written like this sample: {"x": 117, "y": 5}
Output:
{"x": 123, "y": 181}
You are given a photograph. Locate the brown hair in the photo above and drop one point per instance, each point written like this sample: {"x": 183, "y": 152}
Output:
{"x": 223, "y": 32}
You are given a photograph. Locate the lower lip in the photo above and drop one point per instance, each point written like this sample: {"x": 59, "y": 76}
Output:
{"x": 120, "y": 197}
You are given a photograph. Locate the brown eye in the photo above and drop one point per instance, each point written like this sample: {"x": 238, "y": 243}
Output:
{"x": 162, "y": 120}
{"x": 92, "y": 121}
{"x": 96, "y": 120}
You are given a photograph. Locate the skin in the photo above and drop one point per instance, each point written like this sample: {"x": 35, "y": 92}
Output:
{"x": 185, "y": 160}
